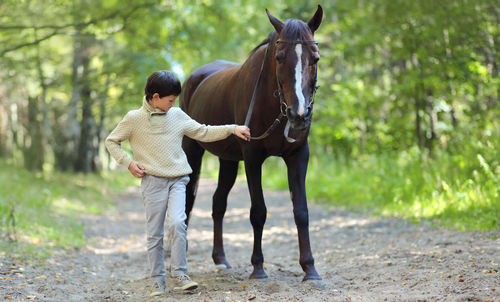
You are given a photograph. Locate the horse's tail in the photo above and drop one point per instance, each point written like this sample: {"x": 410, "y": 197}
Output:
{"x": 188, "y": 88}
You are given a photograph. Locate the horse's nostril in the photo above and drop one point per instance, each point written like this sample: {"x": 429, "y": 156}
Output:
{"x": 307, "y": 116}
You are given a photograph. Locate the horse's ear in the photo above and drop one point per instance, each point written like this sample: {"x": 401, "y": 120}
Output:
{"x": 278, "y": 25}
{"x": 316, "y": 19}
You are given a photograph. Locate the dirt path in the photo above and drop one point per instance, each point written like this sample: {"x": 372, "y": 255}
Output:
{"x": 360, "y": 259}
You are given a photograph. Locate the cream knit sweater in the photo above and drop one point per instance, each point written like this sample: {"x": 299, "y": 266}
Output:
{"x": 156, "y": 139}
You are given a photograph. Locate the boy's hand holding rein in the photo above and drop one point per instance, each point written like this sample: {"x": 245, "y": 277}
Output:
{"x": 242, "y": 132}
{"x": 136, "y": 169}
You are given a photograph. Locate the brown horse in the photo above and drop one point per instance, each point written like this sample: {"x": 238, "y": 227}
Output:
{"x": 281, "y": 74}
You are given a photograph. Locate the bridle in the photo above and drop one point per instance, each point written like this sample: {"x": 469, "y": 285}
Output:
{"x": 279, "y": 93}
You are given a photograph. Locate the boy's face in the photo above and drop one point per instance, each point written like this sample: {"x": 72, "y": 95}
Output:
{"x": 164, "y": 103}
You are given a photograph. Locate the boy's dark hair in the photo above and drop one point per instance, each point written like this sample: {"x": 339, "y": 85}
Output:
{"x": 162, "y": 82}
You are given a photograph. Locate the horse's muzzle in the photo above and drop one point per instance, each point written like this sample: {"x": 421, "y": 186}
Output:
{"x": 299, "y": 122}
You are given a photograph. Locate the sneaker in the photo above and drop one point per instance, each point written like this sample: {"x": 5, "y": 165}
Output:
{"x": 158, "y": 289}
{"x": 183, "y": 282}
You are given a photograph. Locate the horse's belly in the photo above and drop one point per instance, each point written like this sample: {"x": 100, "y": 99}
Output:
{"x": 228, "y": 149}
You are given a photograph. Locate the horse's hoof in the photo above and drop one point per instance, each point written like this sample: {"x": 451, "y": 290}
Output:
{"x": 311, "y": 277}
{"x": 220, "y": 268}
{"x": 260, "y": 276}
{"x": 265, "y": 279}
{"x": 314, "y": 283}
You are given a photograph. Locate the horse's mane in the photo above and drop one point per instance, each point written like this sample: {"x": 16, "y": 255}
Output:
{"x": 296, "y": 30}
{"x": 269, "y": 38}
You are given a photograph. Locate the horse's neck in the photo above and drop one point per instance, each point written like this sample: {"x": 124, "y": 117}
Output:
{"x": 266, "y": 105}
{"x": 251, "y": 69}
{"x": 254, "y": 61}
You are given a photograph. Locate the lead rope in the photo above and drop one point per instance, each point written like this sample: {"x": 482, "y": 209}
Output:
{"x": 254, "y": 94}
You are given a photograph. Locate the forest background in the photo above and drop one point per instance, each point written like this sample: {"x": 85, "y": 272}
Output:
{"x": 406, "y": 120}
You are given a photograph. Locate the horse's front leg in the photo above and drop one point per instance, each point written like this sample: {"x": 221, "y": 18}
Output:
{"x": 297, "y": 168}
{"x": 258, "y": 211}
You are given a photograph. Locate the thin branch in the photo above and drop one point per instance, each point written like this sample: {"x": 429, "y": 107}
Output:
{"x": 57, "y": 28}
{"x": 78, "y": 24}
{"x": 28, "y": 44}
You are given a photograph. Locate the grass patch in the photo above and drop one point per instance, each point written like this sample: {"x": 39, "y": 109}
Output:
{"x": 457, "y": 192}
{"x": 39, "y": 212}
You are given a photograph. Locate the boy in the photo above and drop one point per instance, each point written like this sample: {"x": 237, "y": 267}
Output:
{"x": 155, "y": 132}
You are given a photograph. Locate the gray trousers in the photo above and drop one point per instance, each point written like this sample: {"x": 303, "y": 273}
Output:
{"x": 165, "y": 197}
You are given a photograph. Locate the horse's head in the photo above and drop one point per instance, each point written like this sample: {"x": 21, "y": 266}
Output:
{"x": 296, "y": 55}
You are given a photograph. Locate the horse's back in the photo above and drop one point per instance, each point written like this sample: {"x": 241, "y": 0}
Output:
{"x": 197, "y": 77}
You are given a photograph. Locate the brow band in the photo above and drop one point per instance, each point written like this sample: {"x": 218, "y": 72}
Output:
{"x": 297, "y": 42}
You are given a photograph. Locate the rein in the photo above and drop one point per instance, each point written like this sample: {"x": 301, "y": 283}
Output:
{"x": 252, "y": 105}
{"x": 279, "y": 92}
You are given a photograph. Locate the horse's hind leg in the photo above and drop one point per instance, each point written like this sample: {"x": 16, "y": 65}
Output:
{"x": 227, "y": 176}
{"x": 194, "y": 153}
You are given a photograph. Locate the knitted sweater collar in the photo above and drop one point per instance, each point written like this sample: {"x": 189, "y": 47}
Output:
{"x": 149, "y": 109}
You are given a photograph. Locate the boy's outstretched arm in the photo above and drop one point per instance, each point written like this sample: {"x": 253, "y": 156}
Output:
{"x": 211, "y": 133}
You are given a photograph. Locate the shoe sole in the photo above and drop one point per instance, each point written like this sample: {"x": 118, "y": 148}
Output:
{"x": 154, "y": 294}
{"x": 186, "y": 287}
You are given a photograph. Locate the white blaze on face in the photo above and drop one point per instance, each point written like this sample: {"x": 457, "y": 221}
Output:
{"x": 298, "y": 80}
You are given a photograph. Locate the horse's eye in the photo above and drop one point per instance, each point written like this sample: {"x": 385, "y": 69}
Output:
{"x": 314, "y": 60}
{"x": 280, "y": 57}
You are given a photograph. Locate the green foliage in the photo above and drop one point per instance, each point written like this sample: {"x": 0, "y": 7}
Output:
{"x": 460, "y": 191}
{"x": 42, "y": 211}
{"x": 385, "y": 63}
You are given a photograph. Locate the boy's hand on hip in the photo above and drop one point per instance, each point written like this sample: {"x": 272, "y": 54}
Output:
{"x": 242, "y": 132}
{"x": 136, "y": 169}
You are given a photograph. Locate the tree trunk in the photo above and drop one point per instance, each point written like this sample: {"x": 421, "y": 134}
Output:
{"x": 67, "y": 129}
{"x": 418, "y": 96}
{"x": 85, "y": 152}
{"x": 84, "y": 159}
{"x": 100, "y": 127}
{"x": 46, "y": 133}
{"x": 33, "y": 148}
{"x": 431, "y": 133}
{"x": 4, "y": 120}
